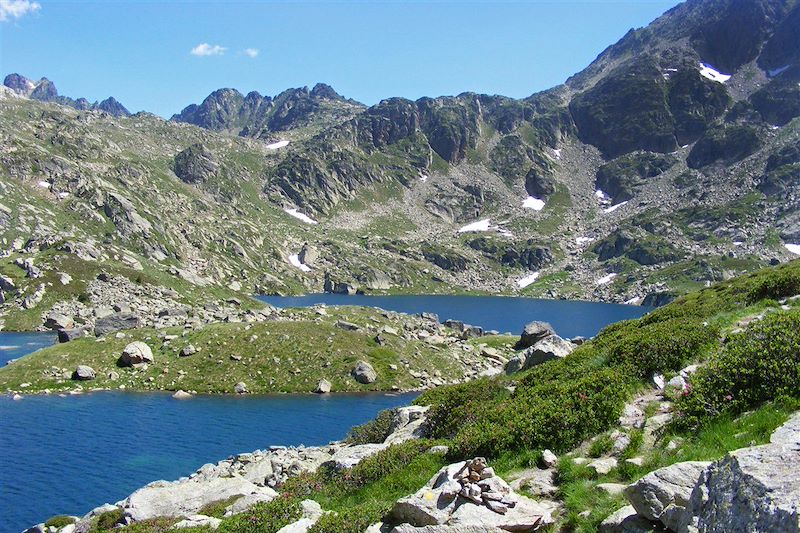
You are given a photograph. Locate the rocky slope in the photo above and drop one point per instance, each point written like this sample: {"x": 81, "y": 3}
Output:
{"x": 669, "y": 163}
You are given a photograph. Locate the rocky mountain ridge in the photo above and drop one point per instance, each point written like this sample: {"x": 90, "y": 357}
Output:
{"x": 653, "y": 171}
{"x": 45, "y": 90}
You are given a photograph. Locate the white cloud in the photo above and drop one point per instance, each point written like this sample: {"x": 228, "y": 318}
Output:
{"x": 251, "y": 52}
{"x": 205, "y": 49}
{"x": 17, "y": 8}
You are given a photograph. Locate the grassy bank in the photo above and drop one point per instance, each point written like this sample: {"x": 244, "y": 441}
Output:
{"x": 288, "y": 355}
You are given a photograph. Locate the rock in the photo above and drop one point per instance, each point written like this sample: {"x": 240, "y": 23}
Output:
{"x": 408, "y": 423}
{"x": 66, "y": 335}
{"x": 533, "y": 333}
{"x": 83, "y": 373}
{"x": 625, "y": 520}
{"x": 7, "y": 284}
{"x": 308, "y": 255}
{"x": 187, "y": 497}
{"x": 612, "y": 489}
{"x": 752, "y": 489}
{"x": 546, "y": 349}
{"x": 664, "y": 495}
{"x": 311, "y": 513}
{"x": 246, "y": 502}
{"x": 364, "y": 373}
{"x": 187, "y": 350}
{"x": 136, "y": 353}
{"x": 678, "y": 383}
{"x": 116, "y": 322}
{"x": 603, "y": 465}
{"x": 658, "y": 381}
{"x": 350, "y": 456}
{"x": 347, "y": 326}
{"x": 549, "y": 459}
{"x": 58, "y": 321}
{"x": 407, "y": 528}
{"x": 198, "y": 520}
{"x": 113, "y": 376}
{"x": 182, "y": 395}
{"x": 323, "y": 386}
{"x": 195, "y": 164}
{"x": 240, "y": 388}
{"x": 64, "y": 278}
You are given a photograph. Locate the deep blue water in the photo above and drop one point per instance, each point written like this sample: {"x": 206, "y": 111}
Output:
{"x": 67, "y": 455}
{"x": 505, "y": 314}
{"x": 15, "y": 345}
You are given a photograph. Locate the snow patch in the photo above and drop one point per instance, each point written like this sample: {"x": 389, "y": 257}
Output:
{"x": 794, "y": 248}
{"x": 44, "y": 184}
{"x": 737, "y": 243}
{"x": 533, "y": 203}
{"x": 300, "y": 216}
{"x": 480, "y": 225}
{"x": 557, "y": 153}
{"x": 63, "y": 195}
{"x": 276, "y": 145}
{"x": 294, "y": 260}
{"x": 712, "y": 74}
{"x": 527, "y": 280}
{"x": 601, "y": 195}
{"x": 606, "y": 279}
{"x": 423, "y": 178}
{"x": 636, "y": 300}
{"x": 614, "y": 207}
{"x": 583, "y": 240}
{"x": 774, "y": 72}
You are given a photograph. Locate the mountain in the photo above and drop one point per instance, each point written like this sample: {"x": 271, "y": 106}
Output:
{"x": 670, "y": 162}
{"x": 45, "y": 90}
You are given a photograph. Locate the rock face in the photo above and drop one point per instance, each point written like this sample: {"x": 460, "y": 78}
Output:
{"x": 196, "y": 164}
{"x": 533, "y": 333}
{"x": 753, "y": 489}
{"x": 469, "y": 494}
{"x": 364, "y": 373}
{"x": 136, "y": 353}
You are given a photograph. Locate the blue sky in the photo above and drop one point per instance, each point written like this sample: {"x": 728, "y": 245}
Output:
{"x": 141, "y": 52}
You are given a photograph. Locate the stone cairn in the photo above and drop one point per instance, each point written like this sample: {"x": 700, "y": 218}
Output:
{"x": 480, "y": 485}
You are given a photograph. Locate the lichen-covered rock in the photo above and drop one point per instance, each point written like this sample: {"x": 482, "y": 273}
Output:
{"x": 364, "y": 373}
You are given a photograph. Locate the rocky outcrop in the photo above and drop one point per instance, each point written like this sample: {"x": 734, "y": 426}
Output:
{"x": 116, "y": 322}
{"x": 545, "y": 349}
{"x": 364, "y": 373}
{"x": 533, "y": 332}
{"x": 195, "y": 164}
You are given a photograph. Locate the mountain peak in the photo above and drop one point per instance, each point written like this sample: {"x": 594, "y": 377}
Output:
{"x": 45, "y": 90}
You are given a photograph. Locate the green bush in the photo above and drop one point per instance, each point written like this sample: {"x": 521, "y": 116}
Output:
{"x": 353, "y": 520}
{"x": 266, "y": 517}
{"x": 455, "y": 406}
{"x": 661, "y": 346}
{"x": 760, "y": 364}
{"x": 383, "y": 463}
{"x": 106, "y": 521}
{"x": 375, "y": 431}
{"x": 776, "y": 285}
{"x": 60, "y": 521}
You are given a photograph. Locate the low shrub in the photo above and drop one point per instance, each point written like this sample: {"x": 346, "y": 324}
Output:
{"x": 217, "y": 508}
{"x": 383, "y": 463}
{"x": 266, "y": 517}
{"x": 456, "y": 406}
{"x": 760, "y": 364}
{"x": 108, "y": 520}
{"x": 354, "y": 520}
{"x": 776, "y": 284}
{"x": 375, "y": 431}
{"x": 59, "y": 521}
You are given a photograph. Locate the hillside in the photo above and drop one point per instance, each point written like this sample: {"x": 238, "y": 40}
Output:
{"x": 683, "y": 418}
{"x": 669, "y": 163}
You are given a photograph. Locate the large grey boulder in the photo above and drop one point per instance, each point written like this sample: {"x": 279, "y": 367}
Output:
{"x": 67, "y": 335}
{"x": 533, "y": 332}
{"x": 753, "y": 489}
{"x": 546, "y": 349}
{"x": 7, "y": 284}
{"x": 186, "y": 498}
{"x": 58, "y": 321}
{"x": 664, "y": 494}
{"x": 83, "y": 373}
{"x": 136, "y": 353}
{"x": 116, "y": 322}
{"x": 364, "y": 373}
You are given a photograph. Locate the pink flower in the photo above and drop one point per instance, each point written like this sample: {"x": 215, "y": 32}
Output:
{"x": 729, "y": 397}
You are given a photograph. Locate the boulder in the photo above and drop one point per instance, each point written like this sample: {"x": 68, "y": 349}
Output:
{"x": 58, "y": 321}
{"x": 364, "y": 373}
{"x": 7, "y": 284}
{"x": 182, "y": 395}
{"x": 115, "y": 322}
{"x": 625, "y": 520}
{"x": 323, "y": 386}
{"x": 549, "y": 459}
{"x": 66, "y": 335}
{"x": 246, "y": 502}
{"x": 664, "y": 494}
{"x": 187, "y": 497}
{"x": 240, "y": 388}
{"x": 752, "y": 489}
{"x": 187, "y": 350}
{"x": 550, "y": 347}
{"x": 533, "y": 333}
{"x": 83, "y": 373}
{"x": 136, "y": 353}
